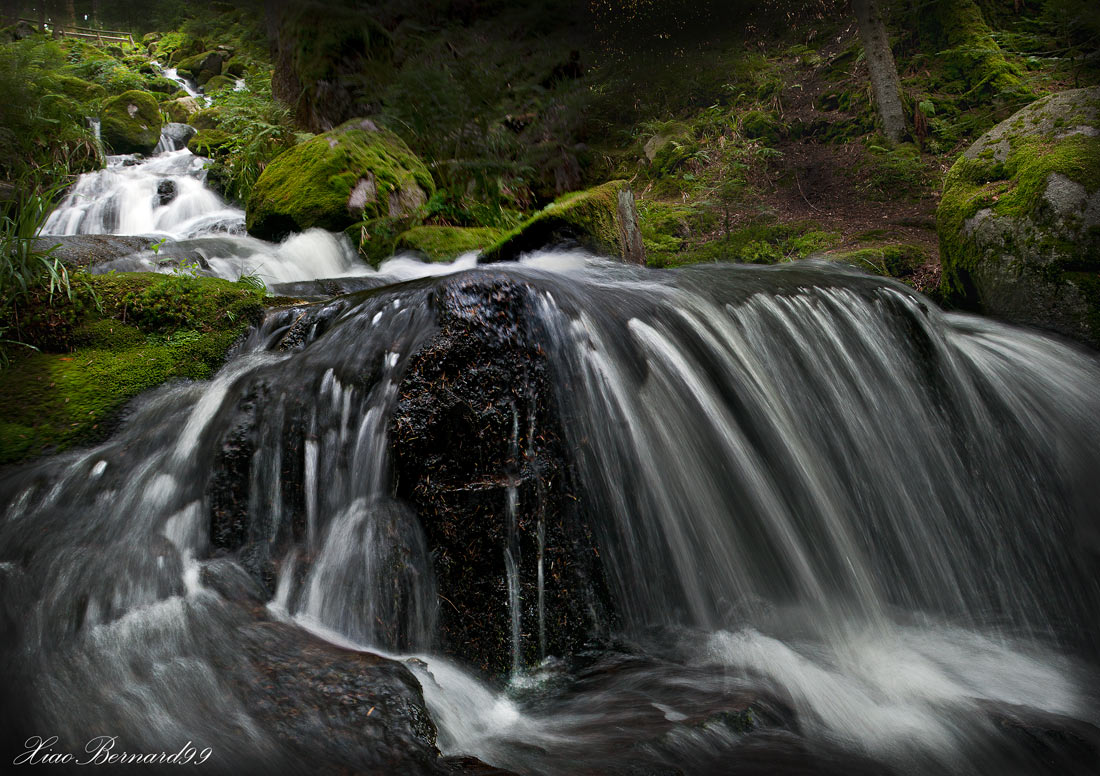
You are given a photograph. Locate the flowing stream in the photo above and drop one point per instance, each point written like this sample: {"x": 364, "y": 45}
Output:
{"x": 843, "y": 531}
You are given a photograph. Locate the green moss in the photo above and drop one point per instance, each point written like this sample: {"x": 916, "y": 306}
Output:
{"x": 895, "y": 261}
{"x": 152, "y": 328}
{"x": 444, "y": 243}
{"x": 211, "y": 143}
{"x": 217, "y": 83}
{"x": 234, "y": 68}
{"x": 589, "y": 217}
{"x": 761, "y": 125}
{"x": 181, "y": 110}
{"x": 175, "y": 46}
{"x": 1014, "y": 188}
{"x": 207, "y": 118}
{"x": 968, "y": 58}
{"x": 312, "y": 184}
{"x": 131, "y": 123}
{"x": 79, "y": 89}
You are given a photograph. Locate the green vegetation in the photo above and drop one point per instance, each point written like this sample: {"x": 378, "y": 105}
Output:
{"x": 444, "y": 243}
{"x": 592, "y": 218}
{"x": 356, "y": 170}
{"x": 117, "y": 335}
{"x": 131, "y": 123}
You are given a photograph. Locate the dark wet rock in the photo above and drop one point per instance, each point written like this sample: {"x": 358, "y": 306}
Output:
{"x": 339, "y": 710}
{"x": 326, "y": 288}
{"x": 166, "y": 192}
{"x": 475, "y": 428}
{"x": 81, "y": 251}
{"x": 178, "y": 134}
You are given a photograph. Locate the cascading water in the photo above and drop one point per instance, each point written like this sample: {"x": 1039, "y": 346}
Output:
{"x": 165, "y": 198}
{"x": 842, "y": 532}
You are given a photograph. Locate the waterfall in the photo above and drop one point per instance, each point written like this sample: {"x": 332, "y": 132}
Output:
{"x": 823, "y": 508}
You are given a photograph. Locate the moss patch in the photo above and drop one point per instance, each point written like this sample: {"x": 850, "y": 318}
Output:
{"x": 356, "y": 171}
{"x": 444, "y": 243}
{"x": 590, "y": 218}
{"x": 151, "y": 329}
{"x": 211, "y": 143}
{"x": 131, "y": 123}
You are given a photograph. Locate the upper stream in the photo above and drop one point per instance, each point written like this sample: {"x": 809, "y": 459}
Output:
{"x": 840, "y": 530}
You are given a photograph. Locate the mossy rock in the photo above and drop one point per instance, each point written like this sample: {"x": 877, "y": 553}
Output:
{"x": 603, "y": 220}
{"x": 211, "y": 143}
{"x": 131, "y": 123}
{"x": 352, "y": 173}
{"x": 1019, "y": 220}
{"x": 444, "y": 243}
{"x": 79, "y": 89}
{"x": 217, "y": 83}
{"x": 207, "y": 118}
{"x": 141, "y": 330}
{"x": 892, "y": 261}
{"x": 182, "y": 109}
{"x": 202, "y": 67}
{"x": 761, "y": 125}
{"x": 668, "y": 147}
{"x": 234, "y": 68}
{"x": 161, "y": 85}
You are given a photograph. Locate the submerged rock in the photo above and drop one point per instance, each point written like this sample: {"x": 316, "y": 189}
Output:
{"x": 178, "y": 134}
{"x": 166, "y": 192}
{"x": 356, "y": 171}
{"x": 478, "y": 449}
{"x": 81, "y": 251}
{"x": 131, "y": 123}
{"x": 603, "y": 220}
{"x": 1019, "y": 222}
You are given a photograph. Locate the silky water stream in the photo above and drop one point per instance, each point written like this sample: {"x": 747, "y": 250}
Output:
{"x": 837, "y": 530}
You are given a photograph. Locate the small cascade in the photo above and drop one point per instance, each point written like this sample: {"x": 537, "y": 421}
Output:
{"x": 839, "y": 528}
{"x": 163, "y": 196}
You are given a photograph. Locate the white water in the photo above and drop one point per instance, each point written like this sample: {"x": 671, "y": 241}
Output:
{"x": 165, "y": 198}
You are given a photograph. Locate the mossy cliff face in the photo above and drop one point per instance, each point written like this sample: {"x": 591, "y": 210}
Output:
{"x": 444, "y": 243}
{"x": 90, "y": 361}
{"x": 131, "y": 123}
{"x": 355, "y": 172}
{"x": 602, "y": 219}
{"x": 1019, "y": 222}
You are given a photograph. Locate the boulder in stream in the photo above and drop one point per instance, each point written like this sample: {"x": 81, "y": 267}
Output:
{"x": 131, "y": 123}
{"x": 1019, "y": 222}
{"x": 354, "y": 172}
{"x": 479, "y": 450}
{"x": 602, "y": 219}
{"x": 181, "y": 110}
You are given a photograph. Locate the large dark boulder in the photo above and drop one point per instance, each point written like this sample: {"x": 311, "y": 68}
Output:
{"x": 478, "y": 449}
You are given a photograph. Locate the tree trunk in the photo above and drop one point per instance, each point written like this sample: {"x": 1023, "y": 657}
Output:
{"x": 884, "y": 74}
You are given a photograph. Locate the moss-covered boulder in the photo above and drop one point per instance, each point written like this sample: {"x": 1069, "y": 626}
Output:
{"x": 181, "y": 110}
{"x": 212, "y": 143}
{"x": 1019, "y": 221}
{"x": 354, "y": 172}
{"x": 206, "y": 118}
{"x": 79, "y": 89}
{"x": 234, "y": 68}
{"x": 202, "y": 67}
{"x": 217, "y": 83}
{"x": 603, "y": 220}
{"x": 131, "y": 123}
{"x": 444, "y": 243}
